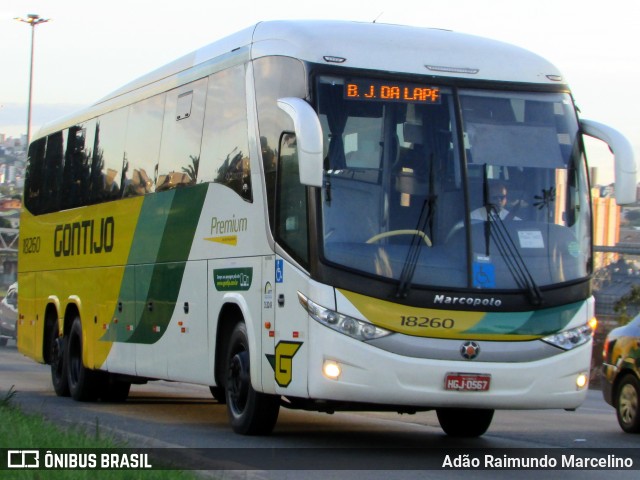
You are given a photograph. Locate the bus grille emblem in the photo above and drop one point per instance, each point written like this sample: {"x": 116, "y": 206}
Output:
{"x": 470, "y": 350}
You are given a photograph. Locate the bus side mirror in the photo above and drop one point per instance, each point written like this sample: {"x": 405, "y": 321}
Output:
{"x": 626, "y": 169}
{"x": 308, "y": 138}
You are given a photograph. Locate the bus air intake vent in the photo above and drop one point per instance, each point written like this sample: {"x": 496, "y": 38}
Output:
{"x": 440, "y": 68}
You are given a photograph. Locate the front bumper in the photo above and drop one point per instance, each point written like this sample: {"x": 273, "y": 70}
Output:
{"x": 372, "y": 375}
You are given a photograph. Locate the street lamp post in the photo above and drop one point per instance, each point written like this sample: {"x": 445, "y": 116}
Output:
{"x": 33, "y": 20}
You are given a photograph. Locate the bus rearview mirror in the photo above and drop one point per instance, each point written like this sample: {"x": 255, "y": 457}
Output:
{"x": 626, "y": 168}
{"x": 308, "y": 138}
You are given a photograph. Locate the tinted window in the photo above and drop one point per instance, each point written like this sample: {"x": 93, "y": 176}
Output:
{"x": 76, "y": 169}
{"x": 108, "y": 158}
{"x": 225, "y": 146}
{"x": 143, "y": 145}
{"x": 291, "y": 209}
{"x": 52, "y": 172}
{"x": 181, "y": 136}
{"x": 33, "y": 175}
{"x": 151, "y": 145}
{"x": 275, "y": 77}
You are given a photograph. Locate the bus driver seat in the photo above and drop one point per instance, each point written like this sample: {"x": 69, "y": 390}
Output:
{"x": 412, "y": 166}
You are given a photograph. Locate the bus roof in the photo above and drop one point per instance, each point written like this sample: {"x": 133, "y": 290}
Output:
{"x": 398, "y": 49}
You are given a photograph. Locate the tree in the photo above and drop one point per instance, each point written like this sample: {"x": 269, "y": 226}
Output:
{"x": 632, "y": 217}
{"x": 628, "y": 305}
{"x": 192, "y": 170}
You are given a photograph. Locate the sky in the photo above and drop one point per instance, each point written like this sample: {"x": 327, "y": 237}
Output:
{"x": 90, "y": 48}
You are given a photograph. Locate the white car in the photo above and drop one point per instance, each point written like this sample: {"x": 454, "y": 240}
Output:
{"x": 9, "y": 314}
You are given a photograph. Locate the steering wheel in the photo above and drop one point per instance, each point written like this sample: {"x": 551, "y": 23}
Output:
{"x": 394, "y": 233}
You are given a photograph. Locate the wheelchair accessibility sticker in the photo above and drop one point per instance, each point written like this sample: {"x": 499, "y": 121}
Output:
{"x": 484, "y": 275}
{"x": 279, "y": 271}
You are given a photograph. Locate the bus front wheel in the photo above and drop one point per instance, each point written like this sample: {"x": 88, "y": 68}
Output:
{"x": 218, "y": 394}
{"x": 250, "y": 412}
{"x": 464, "y": 422}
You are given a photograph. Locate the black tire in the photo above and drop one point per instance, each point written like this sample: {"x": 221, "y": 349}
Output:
{"x": 464, "y": 422}
{"x": 218, "y": 393}
{"x": 250, "y": 412}
{"x": 112, "y": 389}
{"x": 627, "y": 408}
{"x": 82, "y": 381}
{"x": 57, "y": 347}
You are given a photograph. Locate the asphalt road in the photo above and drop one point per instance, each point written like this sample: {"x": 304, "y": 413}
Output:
{"x": 177, "y": 415}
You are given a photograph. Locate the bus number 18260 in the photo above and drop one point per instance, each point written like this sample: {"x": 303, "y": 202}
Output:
{"x": 426, "y": 322}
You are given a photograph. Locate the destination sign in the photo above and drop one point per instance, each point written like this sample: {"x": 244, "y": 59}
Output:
{"x": 367, "y": 90}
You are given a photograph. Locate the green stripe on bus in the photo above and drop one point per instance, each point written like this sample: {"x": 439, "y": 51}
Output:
{"x": 151, "y": 226}
{"x": 539, "y": 323}
{"x": 163, "y": 284}
{"x": 162, "y": 242}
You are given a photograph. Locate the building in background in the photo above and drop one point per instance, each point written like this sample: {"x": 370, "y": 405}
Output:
{"x": 606, "y": 224}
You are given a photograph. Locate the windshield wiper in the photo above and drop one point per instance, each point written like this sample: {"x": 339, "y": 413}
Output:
{"x": 411, "y": 261}
{"x": 506, "y": 246}
{"x": 426, "y": 216}
{"x": 511, "y": 255}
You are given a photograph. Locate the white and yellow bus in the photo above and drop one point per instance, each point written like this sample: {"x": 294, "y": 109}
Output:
{"x": 290, "y": 217}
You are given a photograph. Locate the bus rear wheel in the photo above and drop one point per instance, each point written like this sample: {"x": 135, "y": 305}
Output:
{"x": 250, "y": 412}
{"x": 56, "y": 357}
{"x": 464, "y": 422}
{"x": 82, "y": 381}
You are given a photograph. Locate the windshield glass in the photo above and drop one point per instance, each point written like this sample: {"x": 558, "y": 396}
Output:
{"x": 525, "y": 169}
{"x": 403, "y": 202}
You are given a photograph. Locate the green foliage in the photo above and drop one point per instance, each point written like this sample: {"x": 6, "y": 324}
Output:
{"x": 22, "y": 431}
{"x": 627, "y": 303}
{"x": 192, "y": 170}
{"x": 5, "y": 401}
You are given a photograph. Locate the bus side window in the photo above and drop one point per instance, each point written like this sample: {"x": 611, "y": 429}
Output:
{"x": 225, "y": 143}
{"x": 182, "y": 136}
{"x": 275, "y": 77}
{"x": 33, "y": 195}
{"x": 108, "y": 158}
{"x": 75, "y": 168}
{"x": 291, "y": 202}
{"x": 52, "y": 172}
{"x": 143, "y": 145}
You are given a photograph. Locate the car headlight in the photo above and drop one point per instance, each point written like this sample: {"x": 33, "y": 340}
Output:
{"x": 345, "y": 324}
{"x": 570, "y": 338}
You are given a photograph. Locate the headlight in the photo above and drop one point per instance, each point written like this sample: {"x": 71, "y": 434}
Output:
{"x": 570, "y": 338}
{"x": 350, "y": 326}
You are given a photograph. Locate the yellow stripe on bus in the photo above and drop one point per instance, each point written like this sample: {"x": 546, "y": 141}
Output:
{"x": 436, "y": 323}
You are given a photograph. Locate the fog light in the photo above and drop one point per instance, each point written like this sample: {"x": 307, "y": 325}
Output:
{"x": 331, "y": 369}
{"x": 582, "y": 381}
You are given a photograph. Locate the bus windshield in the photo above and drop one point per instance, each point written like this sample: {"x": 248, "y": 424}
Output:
{"x": 412, "y": 195}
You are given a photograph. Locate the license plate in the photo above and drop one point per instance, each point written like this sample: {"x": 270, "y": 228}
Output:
{"x": 467, "y": 382}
